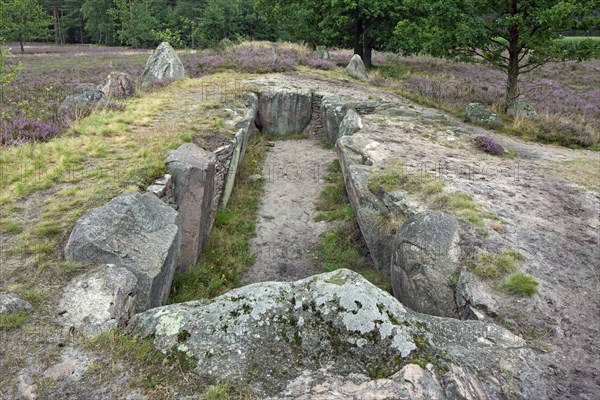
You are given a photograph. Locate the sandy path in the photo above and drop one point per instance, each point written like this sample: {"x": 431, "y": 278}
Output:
{"x": 286, "y": 229}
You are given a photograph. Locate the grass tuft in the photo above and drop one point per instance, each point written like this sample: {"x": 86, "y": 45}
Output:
{"x": 496, "y": 266}
{"x": 521, "y": 284}
{"x": 12, "y": 321}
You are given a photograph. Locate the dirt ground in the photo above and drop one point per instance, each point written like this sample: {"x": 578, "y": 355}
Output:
{"x": 286, "y": 230}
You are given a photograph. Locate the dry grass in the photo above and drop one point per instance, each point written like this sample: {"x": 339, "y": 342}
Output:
{"x": 582, "y": 171}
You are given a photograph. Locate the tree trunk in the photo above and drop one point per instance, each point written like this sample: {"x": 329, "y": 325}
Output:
{"x": 21, "y": 43}
{"x": 358, "y": 32}
{"x": 367, "y": 44}
{"x": 513, "y": 70}
{"x": 56, "y": 25}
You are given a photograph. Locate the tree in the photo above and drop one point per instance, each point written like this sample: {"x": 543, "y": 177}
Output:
{"x": 24, "y": 20}
{"x": 516, "y": 36}
{"x": 136, "y": 21}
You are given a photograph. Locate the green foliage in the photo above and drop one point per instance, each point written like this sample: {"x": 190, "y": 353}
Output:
{"x": 333, "y": 201}
{"x": 516, "y": 36}
{"x": 9, "y": 71}
{"x": 135, "y": 21}
{"x": 24, "y": 20}
{"x": 520, "y": 283}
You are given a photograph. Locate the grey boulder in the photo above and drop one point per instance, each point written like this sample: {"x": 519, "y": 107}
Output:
{"x": 11, "y": 303}
{"x": 333, "y": 111}
{"x": 351, "y": 123}
{"x": 479, "y": 114}
{"x": 100, "y": 300}
{"x": 523, "y": 110}
{"x": 81, "y": 101}
{"x": 117, "y": 85}
{"x": 163, "y": 65}
{"x": 193, "y": 172}
{"x": 473, "y": 297}
{"x": 425, "y": 255}
{"x": 356, "y": 68}
{"x": 269, "y": 333}
{"x": 136, "y": 231}
{"x": 322, "y": 53}
{"x": 284, "y": 111}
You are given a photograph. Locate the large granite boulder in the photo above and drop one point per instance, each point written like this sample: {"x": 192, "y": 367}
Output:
{"x": 333, "y": 111}
{"x": 284, "y": 111}
{"x": 117, "y": 85}
{"x": 136, "y": 231}
{"x": 356, "y": 68}
{"x": 81, "y": 101}
{"x": 425, "y": 256}
{"x": 163, "y": 65}
{"x": 99, "y": 300}
{"x": 523, "y": 110}
{"x": 479, "y": 114}
{"x": 268, "y": 333}
{"x": 193, "y": 173}
{"x": 11, "y": 303}
{"x": 351, "y": 123}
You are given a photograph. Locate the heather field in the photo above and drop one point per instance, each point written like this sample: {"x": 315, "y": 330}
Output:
{"x": 567, "y": 95}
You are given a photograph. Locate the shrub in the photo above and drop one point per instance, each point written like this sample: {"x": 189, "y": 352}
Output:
{"x": 488, "y": 145}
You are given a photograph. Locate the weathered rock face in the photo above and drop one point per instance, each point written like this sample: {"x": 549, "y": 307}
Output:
{"x": 356, "y": 68}
{"x": 136, "y": 231}
{"x": 424, "y": 258}
{"x": 411, "y": 382}
{"x": 322, "y": 53}
{"x": 117, "y": 85}
{"x": 284, "y": 111}
{"x": 473, "y": 297}
{"x": 273, "y": 331}
{"x": 479, "y": 114}
{"x": 367, "y": 207}
{"x": 333, "y": 111}
{"x": 350, "y": 124}
{"x": 164, "y": 64}
{"x": 81, "y": 101}
{"x": 523, "y": 110}
{"x": 11, "y": 303}
{"x": 100, "y": 300}
{"x": 193, "y": 172}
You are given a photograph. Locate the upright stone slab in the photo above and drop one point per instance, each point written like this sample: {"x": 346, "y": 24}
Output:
{"x": 136, "y": 231}
{"x": 356, "y": 68}
{"x": 424, "y": 259}
{"x": 164, "y": 64}
{"x": 284, "y": 111}
{"x": 333, "y": 111}
{"x": 193, "y": 172}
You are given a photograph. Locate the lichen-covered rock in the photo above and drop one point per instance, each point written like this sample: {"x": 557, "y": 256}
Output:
{"x": 81, "y": 101}
{"x": 11, "y": 303}
{"x": 117, "y": 85}
{"x": 351, "y": 123}
{"x": 136, "y": 231}
{"x": 193, "y": 172}
{"x": 99, "y": 301}
{"x": 424, "y": 258}
{"x": 523, "y": 110}
{"x": 163, "y": 65}
{"x": 479, "y": 114}
{"x": 284, "y": 111}
{"x": 356, "y": 68}
{"x": 333, "y": 111}
{"x": 269, "y": 333}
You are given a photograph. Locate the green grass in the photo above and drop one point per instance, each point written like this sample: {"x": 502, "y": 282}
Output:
{"x": 521, "y": 284}
{"x": 497, "y": 265}
{"x": 333, "y": 202}
{"x": 342, "y": 247}
{"x": 227, "y": 254}
{"x": 9, "y": 226}
{"x": 12, "y": 321}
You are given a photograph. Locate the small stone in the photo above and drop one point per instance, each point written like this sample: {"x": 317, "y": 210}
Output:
{"x": 11, "y": 303}
{"x": 254, "y": 178}
{"x": 270, "y": 144}
{"x": 26, "y": 388}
